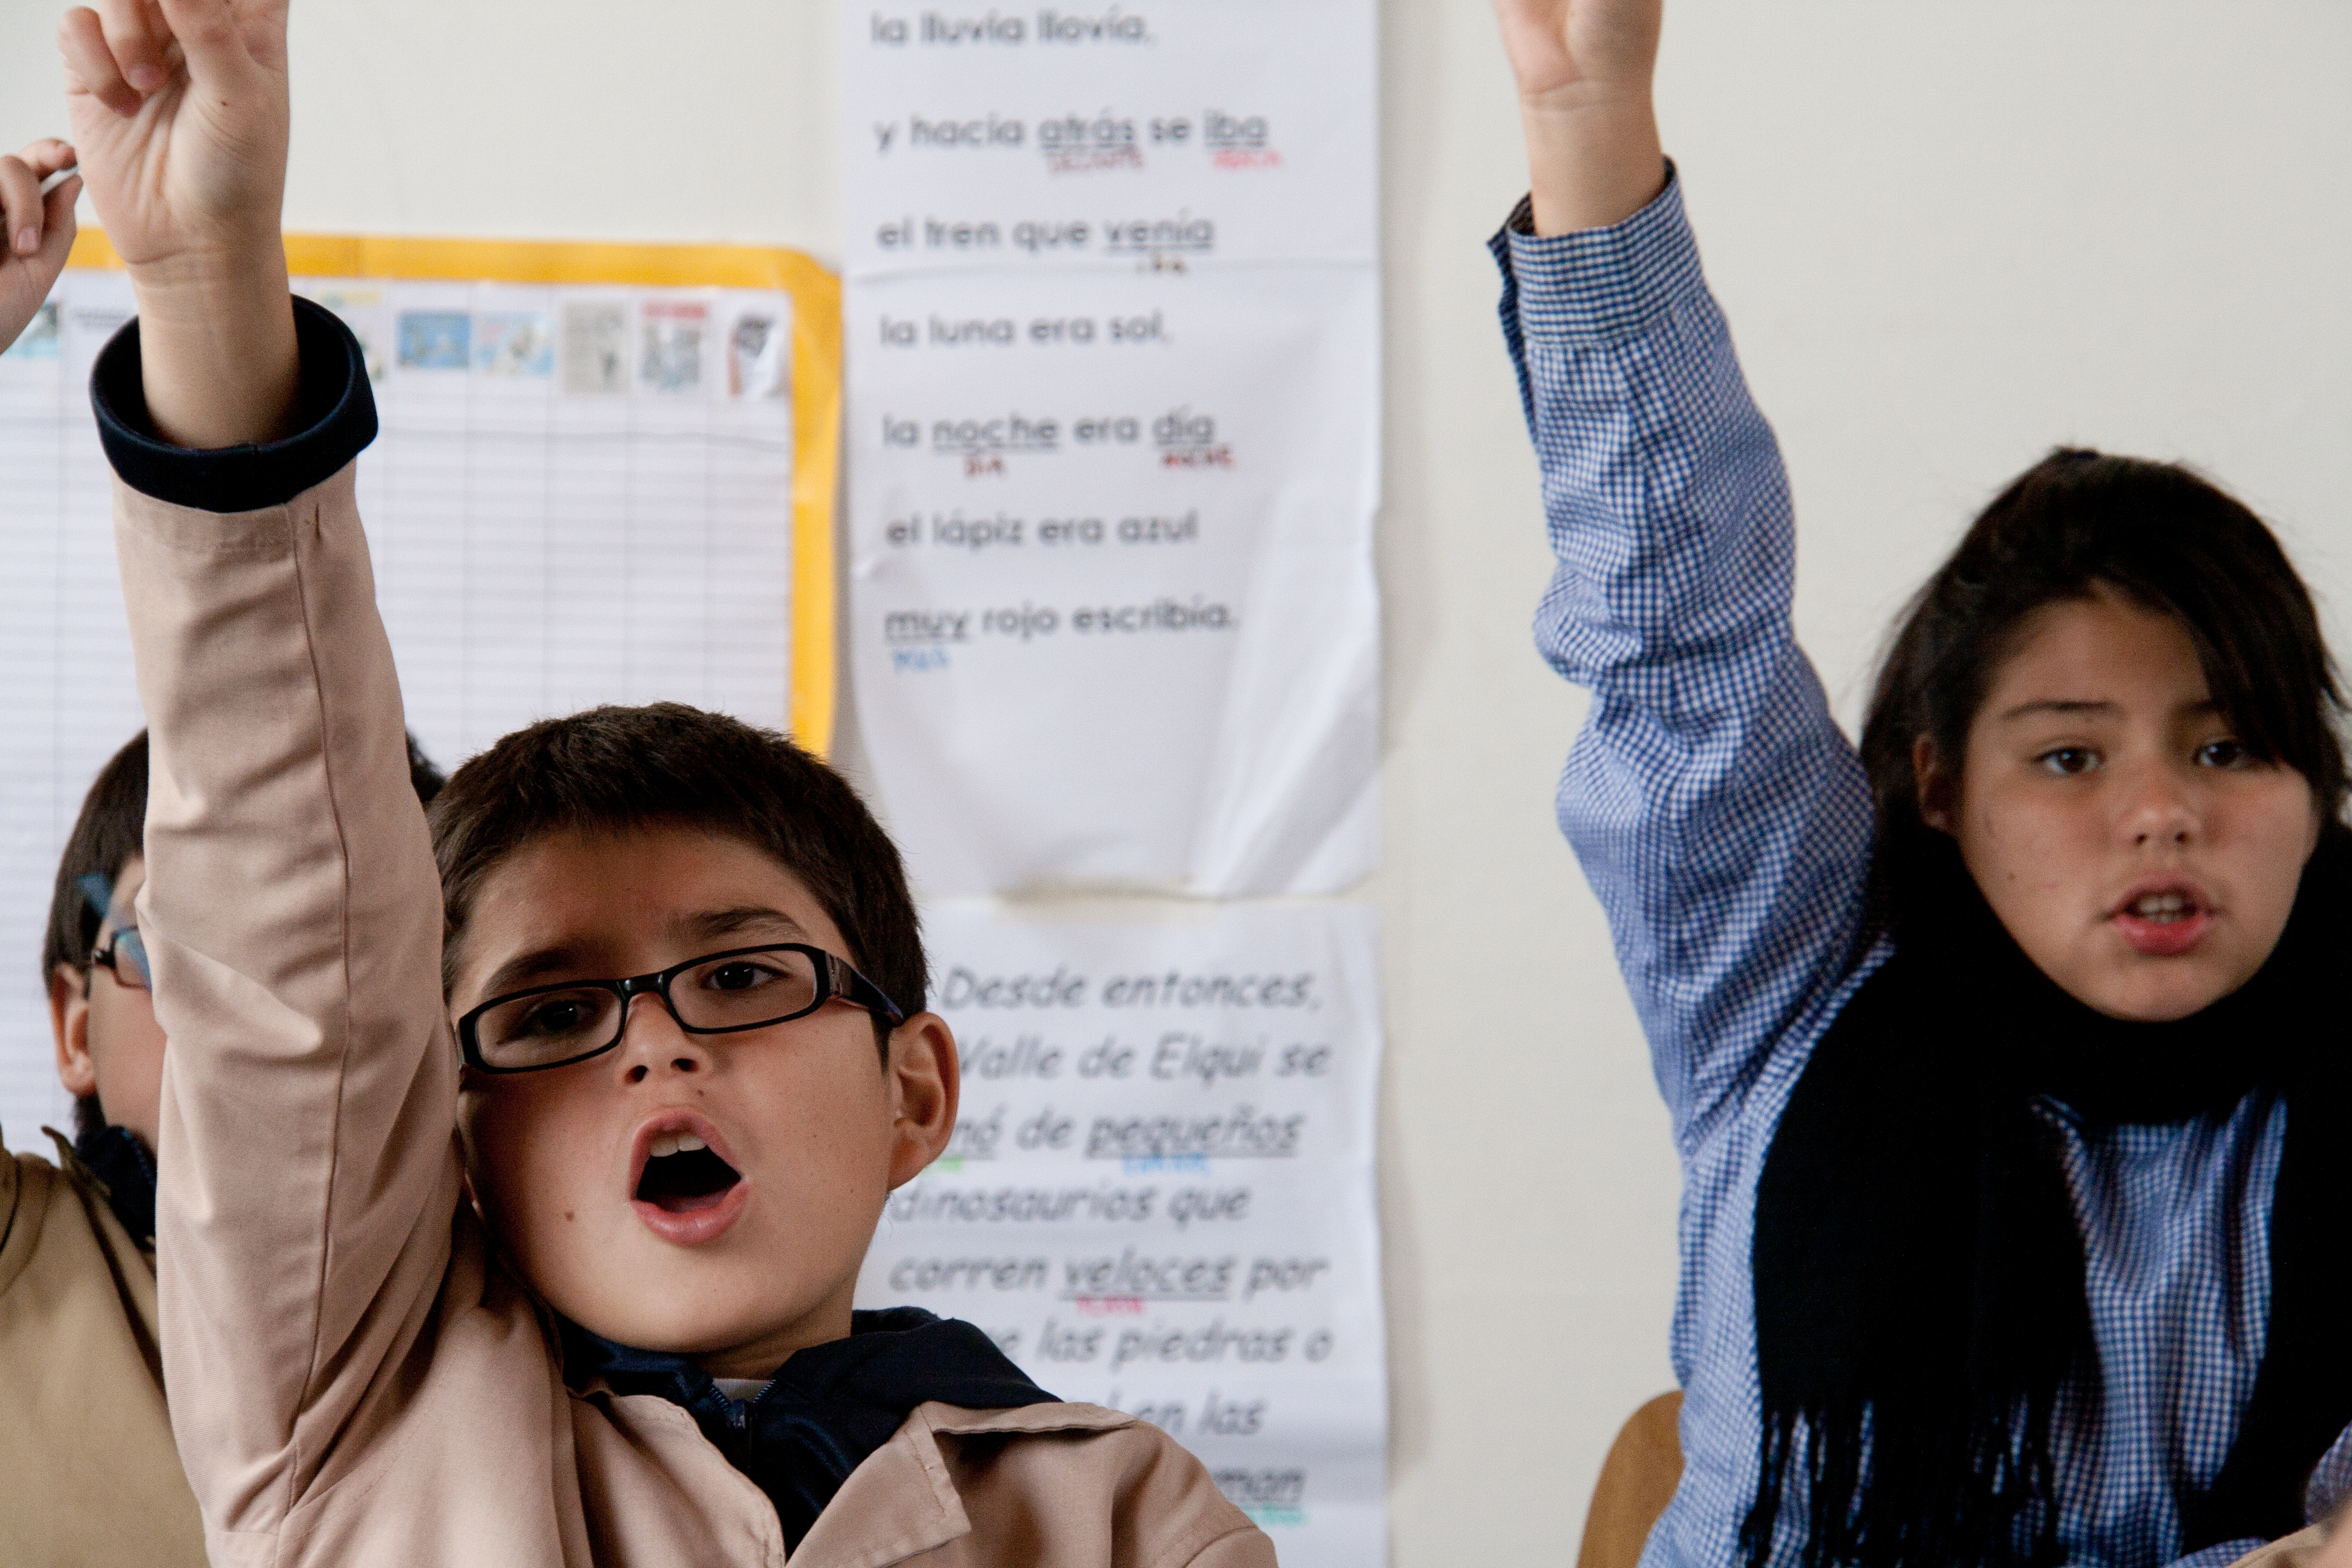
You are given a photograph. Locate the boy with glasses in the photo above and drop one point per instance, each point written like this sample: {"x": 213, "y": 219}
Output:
{"x": 666, "y": 991}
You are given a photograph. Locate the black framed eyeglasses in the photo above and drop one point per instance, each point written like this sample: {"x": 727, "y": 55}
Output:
{"x": 125, "y": 954}
{"x": 717, "y": 994}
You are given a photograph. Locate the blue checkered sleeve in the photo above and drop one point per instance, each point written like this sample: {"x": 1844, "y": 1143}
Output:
{"x": 1719, "y": 814}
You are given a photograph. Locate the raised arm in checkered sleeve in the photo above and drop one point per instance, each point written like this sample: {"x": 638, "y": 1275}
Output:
{"x": 1720, "y": 815}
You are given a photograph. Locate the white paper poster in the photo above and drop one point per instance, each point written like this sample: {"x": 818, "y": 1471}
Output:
{"x": 580, "y": 494}
{"x": 1164, "y": 135}
{"x": 1159, "y": 1196}
{"x": 1112, "y": 415}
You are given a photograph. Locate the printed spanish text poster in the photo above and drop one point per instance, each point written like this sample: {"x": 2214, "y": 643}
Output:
{"x": 1144, "y": 649}
{"x": 1173, "y": 136}
{"x": 1112, "y": 330}
{"x": 1160, "y": 1194}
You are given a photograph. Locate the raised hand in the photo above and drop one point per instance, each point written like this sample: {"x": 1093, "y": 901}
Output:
{"x": 1583, "y": 68}
{"x": 180, "y": 113}
{"x": 36, "y": 231}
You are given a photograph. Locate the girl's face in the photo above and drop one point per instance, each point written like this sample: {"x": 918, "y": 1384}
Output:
{"x": 2129, "y": 844}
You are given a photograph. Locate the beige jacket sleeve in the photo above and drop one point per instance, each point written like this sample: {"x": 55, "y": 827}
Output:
{"x": 294, "y": 917}
{"x": 2304, "y": 1549}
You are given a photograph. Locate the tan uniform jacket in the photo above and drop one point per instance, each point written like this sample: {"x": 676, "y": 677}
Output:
{"x": 2300, "y": 1550}
{"x": 88, "y": 1475}
{"x": 355, "y": 1380}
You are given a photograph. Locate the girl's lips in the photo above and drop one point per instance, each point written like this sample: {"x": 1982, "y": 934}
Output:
{"x": 693, "y": 1226}
{"x": 2178, "y": 914}
{"x": 2163, "y": 939}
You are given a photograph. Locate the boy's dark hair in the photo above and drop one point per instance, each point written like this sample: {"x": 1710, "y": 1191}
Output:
{"x": 107, "y": 836}
{"x": 613, "y": 768}
{"x": 2160, "y": 537}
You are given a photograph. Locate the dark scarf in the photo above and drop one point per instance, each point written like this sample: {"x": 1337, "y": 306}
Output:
{"x": 1916, "y": 1264}
{"x": 120, "y": 1158}
{"x": 829, "y": 1406}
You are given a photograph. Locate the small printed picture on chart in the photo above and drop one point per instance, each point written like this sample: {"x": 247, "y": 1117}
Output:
{"x": 39, "y": 338}
{"x": 435, "y": 339}
{"x": 756, "y": 347}
{"x": 361, "y": 310}
{"x": 596, "y": 347}
{"x": 514, "y": 343}
{"x": 670, "y": 352}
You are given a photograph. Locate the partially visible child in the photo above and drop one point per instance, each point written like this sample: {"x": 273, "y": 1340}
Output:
{"x": 511, "y": 1207}
{"x": 88, "y": 1473}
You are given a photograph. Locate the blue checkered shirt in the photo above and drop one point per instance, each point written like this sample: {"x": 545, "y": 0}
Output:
{"x": 1725, "y": 823}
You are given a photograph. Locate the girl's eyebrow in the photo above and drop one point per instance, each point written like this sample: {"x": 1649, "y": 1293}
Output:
{"x": 2057, "y": 705}
{"x": 2072, "y": 705}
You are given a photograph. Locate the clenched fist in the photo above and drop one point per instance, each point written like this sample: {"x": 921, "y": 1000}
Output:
{"x": 1583, "y": 68}
{"x": 180, "y": 114}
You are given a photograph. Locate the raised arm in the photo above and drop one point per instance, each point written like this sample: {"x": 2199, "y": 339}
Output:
{"x": 1719, "y": 814}
{"x": 292, "y": 905}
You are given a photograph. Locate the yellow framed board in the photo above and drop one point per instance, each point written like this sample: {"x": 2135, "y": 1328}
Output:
{"x": 815, "y": 370}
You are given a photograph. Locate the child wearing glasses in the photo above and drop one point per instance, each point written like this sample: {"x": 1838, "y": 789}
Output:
{"x": 511, "y": 1206}
{"x": 2004, "y": 1051}
{"x": 88, "y": 1473}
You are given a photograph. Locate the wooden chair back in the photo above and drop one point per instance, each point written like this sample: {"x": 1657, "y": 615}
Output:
{"x": 1637, "y": 1480}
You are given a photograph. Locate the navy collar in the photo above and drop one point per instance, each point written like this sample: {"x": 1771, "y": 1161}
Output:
{"x": 827, "y": 1408}
{"x": 120, "y": 1159}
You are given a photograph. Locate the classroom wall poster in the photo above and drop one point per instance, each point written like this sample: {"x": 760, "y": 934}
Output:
{"x": 605, "y": 473}
{"x": 1112, "y": 316}
{"x": 1160, "y": 1193}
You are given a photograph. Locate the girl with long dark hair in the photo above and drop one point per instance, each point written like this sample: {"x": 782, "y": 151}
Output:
{"x": 2004, "y": 1054}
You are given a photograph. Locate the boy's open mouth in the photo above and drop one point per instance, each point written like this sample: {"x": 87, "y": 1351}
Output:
{"x": 682, "y": 1174}
{"x": 688, "y": 1189}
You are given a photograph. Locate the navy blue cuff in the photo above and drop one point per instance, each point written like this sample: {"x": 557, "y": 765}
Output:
{"x": 334, "y": 419}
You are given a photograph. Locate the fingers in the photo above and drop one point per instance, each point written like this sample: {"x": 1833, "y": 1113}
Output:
{"x": 58, "y": 224}
{"x": 208, "y": 34}
{"x": 90, "y": 63}
{"x": 125, "y": 50}
{"x": 20, "y": 207}
{"x": 47, "y": 155}
{"x": 29, "y": 221}
{"x": 134, "y": 35}
{"x": 32, "y": 225}
{"x": 263, "y": 23}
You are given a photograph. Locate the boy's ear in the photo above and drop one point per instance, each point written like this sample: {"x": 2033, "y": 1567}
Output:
{"x": 69, "y": 1027}
{"x": 1934, "y": 785}
{"x": 925, "y": 1089}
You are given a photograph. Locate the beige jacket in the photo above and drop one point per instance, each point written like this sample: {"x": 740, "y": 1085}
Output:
{"x": 2300, "y": 1550}
{"x": 87, "y": 1471}
{"x": 356, "y": 1380}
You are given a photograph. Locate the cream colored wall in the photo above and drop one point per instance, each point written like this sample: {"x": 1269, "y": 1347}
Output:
{"x": 1948, "y": 238}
